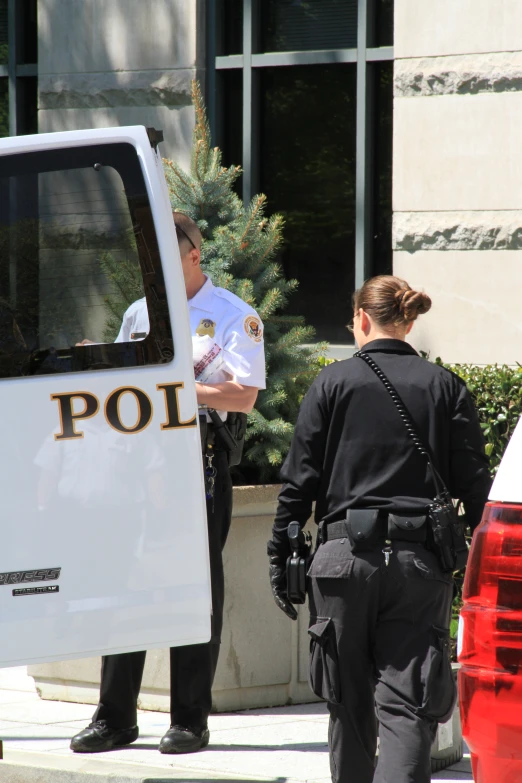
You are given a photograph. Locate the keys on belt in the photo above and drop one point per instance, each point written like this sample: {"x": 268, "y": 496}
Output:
{"x": 210, "y": 476}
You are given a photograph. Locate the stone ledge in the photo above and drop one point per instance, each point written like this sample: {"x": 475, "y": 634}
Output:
{"x": 116, "y": 88}
{"x": 458, "y": 75}
{"x": 414, "y": 231}
{"x": 255, "y": 501}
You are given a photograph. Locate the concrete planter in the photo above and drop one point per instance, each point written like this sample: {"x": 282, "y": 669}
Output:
{"x": 264, "y": 656}
{"x": 448, "y": 747}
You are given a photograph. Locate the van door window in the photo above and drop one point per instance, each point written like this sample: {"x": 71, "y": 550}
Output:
{"x": 81, "y": 283}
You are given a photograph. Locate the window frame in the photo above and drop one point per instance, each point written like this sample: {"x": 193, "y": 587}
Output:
{"x": 364, "y": 56}
{"x": 14, "y": 71}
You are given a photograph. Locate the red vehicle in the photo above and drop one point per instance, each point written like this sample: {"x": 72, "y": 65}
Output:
{"x": 490, "y": 631}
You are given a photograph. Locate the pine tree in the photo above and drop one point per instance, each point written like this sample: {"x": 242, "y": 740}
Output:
{"x": 238, "y": 252}
{"x": 127, "y": 283}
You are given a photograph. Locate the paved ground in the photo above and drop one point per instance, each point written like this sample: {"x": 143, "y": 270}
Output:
{"x": 279, "y": 745}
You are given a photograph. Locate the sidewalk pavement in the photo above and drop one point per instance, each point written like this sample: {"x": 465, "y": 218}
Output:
{"x": 277, "y": 745}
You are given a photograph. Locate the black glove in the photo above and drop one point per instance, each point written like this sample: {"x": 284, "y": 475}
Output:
{"x": 277, "y": 575}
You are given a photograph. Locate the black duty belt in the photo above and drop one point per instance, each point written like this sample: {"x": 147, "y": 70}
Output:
{"x": 365, "y": 528}
{"x": 332, "y": 531}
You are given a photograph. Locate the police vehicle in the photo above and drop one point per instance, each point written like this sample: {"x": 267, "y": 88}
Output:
{"x": 103, "y": 534}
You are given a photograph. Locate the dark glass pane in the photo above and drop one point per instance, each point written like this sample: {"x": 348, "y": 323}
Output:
{"x": 305, "y": 25}
{"x": 4, "y": 107}
{"x": 383, "y": 23}
{"x": 3, "y": 32}
{"x": 229, "y": 33}
{"x": 307, "y": 167}
{"x": 26, "y": 105}
{"x": 229, "y": 118}
{"x": 382, "y": 75}
{"x": 27, "y": 32}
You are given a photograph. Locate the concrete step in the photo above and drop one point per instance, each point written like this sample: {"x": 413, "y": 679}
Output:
{"x": 267, "y": 745}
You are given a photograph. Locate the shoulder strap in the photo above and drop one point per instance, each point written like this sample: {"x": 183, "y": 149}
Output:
{"x": 411, "y": 428}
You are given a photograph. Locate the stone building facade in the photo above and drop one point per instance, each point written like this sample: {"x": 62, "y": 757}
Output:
{"x": 457, "y": 173}
{"x": 120, "y": 62}
{"x": 442, "y": 79}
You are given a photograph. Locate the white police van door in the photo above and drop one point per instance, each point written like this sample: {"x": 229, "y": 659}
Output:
{"x": 103, "y": 520}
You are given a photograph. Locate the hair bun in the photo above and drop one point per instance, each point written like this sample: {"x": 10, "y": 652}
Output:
{"x": 412, "y": 303}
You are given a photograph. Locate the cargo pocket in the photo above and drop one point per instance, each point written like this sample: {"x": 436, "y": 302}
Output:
{"x": 324, "y": 665}
{"x": 439, "y": 687}
{"x": 333, "y": 560}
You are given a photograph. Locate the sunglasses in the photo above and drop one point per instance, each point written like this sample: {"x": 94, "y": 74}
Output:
{"x": 179, "y": 231}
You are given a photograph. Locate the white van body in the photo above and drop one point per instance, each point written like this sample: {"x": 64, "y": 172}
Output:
{"x": 104, "y": 540}
{"x": 507, "y": 485}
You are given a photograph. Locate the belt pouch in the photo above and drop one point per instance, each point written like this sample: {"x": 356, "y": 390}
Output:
{"x": 364, "y": 528}
{"x": 407, "y": 527}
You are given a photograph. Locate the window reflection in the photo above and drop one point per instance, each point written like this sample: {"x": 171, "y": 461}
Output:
{"x": 4, "y": 107}
{"x": 382, "y": 75}
{"x": 304, "y": 25}
{"x": 3, "y": 32}
{"x": 229, "y": 118}
{"x": 383, "y": 23}
{"x": 77, "y": 247}
{"x": 27, "y": 40}
{"x": 229, "y": 32}
{"x": 308, "y": 171}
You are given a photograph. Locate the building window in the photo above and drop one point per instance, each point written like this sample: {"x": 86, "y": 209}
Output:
{"x": 300, "y": 94}
{"x": 18, "y": 67}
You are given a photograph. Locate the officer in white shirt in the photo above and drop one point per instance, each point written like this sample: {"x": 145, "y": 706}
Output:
{"x": 228, "y": 342}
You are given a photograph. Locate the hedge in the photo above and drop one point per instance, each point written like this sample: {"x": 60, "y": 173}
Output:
{"x": 497, "y": 393}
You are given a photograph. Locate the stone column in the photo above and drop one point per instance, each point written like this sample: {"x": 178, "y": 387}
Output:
{"x": 457, "y": 173}
{"x": 120, "y": 62}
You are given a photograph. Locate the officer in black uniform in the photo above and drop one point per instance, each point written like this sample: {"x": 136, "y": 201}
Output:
{"x": 379, "y": 619}
{"x": 234, "y": 332}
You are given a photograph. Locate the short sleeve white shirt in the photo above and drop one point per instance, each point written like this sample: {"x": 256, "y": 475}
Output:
{"x": 236, "y": 328}
{"x": 221, "y": 315}
{"x": 135, "y": 323}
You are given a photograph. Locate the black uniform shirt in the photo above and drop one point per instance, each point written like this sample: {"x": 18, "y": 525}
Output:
{"x": 351, "y": 449}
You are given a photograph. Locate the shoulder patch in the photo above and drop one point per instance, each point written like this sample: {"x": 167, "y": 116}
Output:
{"x": 253, "y": 328}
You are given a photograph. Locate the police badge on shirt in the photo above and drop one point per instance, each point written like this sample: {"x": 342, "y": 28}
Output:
{"x": 206, "y": 327}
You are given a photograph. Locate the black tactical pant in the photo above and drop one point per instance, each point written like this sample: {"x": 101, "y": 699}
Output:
{"x": 379, "y": 651}
{"x": 192, "y": 668}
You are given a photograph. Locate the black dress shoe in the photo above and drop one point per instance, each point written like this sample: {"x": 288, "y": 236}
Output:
{"x": 98, "y": 737}
{"x": 182, "y": 739}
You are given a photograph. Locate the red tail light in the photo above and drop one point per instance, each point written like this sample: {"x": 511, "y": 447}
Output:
{"x": 490, "y": 679}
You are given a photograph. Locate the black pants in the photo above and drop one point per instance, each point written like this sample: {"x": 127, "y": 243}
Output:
{"x": 192, "y": 668}
{"x": 379, "y": 651}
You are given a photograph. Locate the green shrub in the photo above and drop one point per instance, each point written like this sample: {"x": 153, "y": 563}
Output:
{"x": 497, "y": 393}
